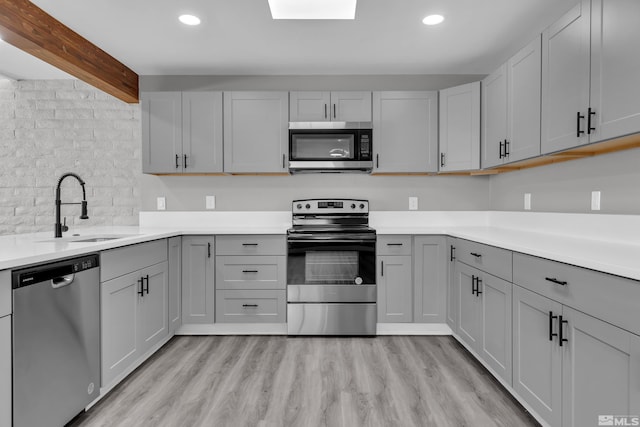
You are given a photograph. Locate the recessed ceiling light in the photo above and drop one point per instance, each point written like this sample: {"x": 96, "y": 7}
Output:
{"x": 189, "y": 19}
{"x": 313, "y": 9}
{"x": 433, "y": 20}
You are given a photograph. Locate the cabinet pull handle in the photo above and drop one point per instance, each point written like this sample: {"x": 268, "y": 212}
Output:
{"x": 452, "y": 253}
{"x": 140, "y": 286}
{"x": 177, "y": 157}
{"x": 325, "y": 111}
{"x": 556, "y": 281}
{"x": 334, "y": 111}
{"x": 249, "y": 305}
{"x": 249, "y": 244}
{"x": 147, "y": 287}
{"x": 382, "y": 268}
{"x": 441, "y": 159}
{"x": 561, "y": 337}
{"x": 249, "y": 271}
{"x": 476, "y": 254}
{"x": 283, "y": 160}
{"x": 478, "y": 283}
{"x": 590, "y": 113}
{"x": 578, "y": 118}
{"x": 551, "y": 319}
{"x": 473, "y": 284}
{"x": 185, "y": 161}
{"x": 209, "y": 250}
{"x": 500, "y": 150}
{"x": 506, "y": 148}
{"x": 377, "y": 160}
{"x": 394, "y": 244}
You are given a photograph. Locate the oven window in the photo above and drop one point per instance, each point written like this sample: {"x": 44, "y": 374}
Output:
{"x": 322, "y": 147}
{"x": 330, "y": 266}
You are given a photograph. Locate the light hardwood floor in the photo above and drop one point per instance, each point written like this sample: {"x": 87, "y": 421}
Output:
{"x": 278, "y": 381}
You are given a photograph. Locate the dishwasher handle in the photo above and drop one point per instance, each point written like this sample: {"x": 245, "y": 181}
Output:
{"x": 62, "y": 281}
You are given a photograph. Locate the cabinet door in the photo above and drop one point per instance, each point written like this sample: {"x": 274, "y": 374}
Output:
{"x": 460, "y": 128}
{"x": 256, "y": 135}
{"x": 601, "y": 370}
{"x": 175, "y": 284}
{"x": 5, "y": 371}
{"x": 470, "y": 306}
{"x": 309, "y": 106}
{"x": 198, "y": 285}
{"x": 615, "y": 68}
{"x": 405, "y": 131}
{"x": 351, "y": 106}
{"x": 202, "y": 132}
{"x": 494, "y": 117}
{"x": 452, "y": 289}
{"x": 161, "y": 119}
{"x": 395, "y": 289}
{"x": 430, "y": 279}
{"x": 565, "y": 79}
{"x": 119, "y": 319}
{"x": 153, "y": 318}
{"x": 523, "y": 128}
{"x": 496, "y": 347}
{"x": 537, "y": 357}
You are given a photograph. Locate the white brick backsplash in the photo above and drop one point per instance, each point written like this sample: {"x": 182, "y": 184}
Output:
{"x": 49, "y": 127}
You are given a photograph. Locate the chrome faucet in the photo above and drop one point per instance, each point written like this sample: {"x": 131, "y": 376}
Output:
{"x": 59, "y": 228}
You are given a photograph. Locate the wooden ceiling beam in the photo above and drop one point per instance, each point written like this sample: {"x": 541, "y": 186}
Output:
{"x": 31, "y": 29}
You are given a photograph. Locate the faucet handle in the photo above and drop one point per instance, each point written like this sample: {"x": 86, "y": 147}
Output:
{"x": 64, "y": 224}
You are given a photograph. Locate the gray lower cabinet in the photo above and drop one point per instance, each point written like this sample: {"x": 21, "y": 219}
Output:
{"x": 460, "y": 128}
{"x": 251, "y": 306}
{"x": 452, "y": 289}
{"x": 198, "y": 281}
{"x": 484, "y": 317}
{"x": 5, "y": 371}
{"x": 175, "y": 284}
{"x": 430, "y": 279}
{"x": 395, "y": 289}
{"x": 405, "y": 131}
{"x": 256, "y": 132}
{"x": 134, "y": 318}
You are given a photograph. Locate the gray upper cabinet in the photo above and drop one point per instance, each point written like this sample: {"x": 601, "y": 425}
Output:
{"x": 615, "y": 68}
{"x": 405, "y": 132}
{"x": 430, "y": 279}
{"x": 565, "y": 80}
{"x": 511, "y": 108}
{"x": 256, "y": 132}
{"x": 181, "y": 132}
{"x": 320, "y": 106}
{"x": 175, "y": 284}
{"x": 460, "y": 128}
{"x": 198, "y": 282}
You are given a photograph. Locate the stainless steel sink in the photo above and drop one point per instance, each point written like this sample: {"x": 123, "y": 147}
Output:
{"x": 96, "y": 239}
{"x": 88, "y": 239}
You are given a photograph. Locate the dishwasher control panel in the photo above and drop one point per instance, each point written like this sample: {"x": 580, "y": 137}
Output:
{"x": 36, "y": 274}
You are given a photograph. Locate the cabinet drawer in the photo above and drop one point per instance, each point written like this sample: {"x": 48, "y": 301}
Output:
{"x": 611, "y": 298}
{"x": 268, "y": 306}
{"x": 119, "y": 261}
{"x": 393, "y": 245}
{"x": 487, "y": 258}
{"x": 5, "y": 292}
{"x": 250, "y": 272}
{"x": 251, "y": 245}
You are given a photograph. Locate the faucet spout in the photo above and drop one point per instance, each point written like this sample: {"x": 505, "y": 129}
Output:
{"x": 59, "y": 228}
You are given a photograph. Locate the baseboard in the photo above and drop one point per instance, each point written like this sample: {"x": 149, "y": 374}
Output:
{"x": 234, "y": 329}
{"x": 413, "y": 329}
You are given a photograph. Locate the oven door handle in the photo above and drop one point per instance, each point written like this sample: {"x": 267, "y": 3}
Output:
{"x": 331, "y": 240}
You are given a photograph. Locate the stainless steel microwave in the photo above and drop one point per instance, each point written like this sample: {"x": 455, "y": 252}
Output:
{"x": 330, "y": 147}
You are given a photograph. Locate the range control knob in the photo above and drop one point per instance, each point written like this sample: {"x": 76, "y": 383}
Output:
{"x": 353, "y": 205}
{"x": 308, "y": 206}
{"x": 299, "y": 206}
{"x": 361, "y": 205}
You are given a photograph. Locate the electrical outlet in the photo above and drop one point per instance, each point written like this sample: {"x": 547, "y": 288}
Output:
{"x": 595, "y": 200}
{"x": 210, "y": 202}
{"x": 413, "y": 203}
{"x": 161, "y": 203}
{"x": 527, "y": 201}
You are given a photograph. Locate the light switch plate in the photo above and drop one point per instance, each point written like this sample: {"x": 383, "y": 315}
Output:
{"x": 413, "y": 203}
{"x": 527, "y": 201}
{"x": 210, "y": 202}
{"x": 161, "y": 203}
{"x": 595, "y": 200}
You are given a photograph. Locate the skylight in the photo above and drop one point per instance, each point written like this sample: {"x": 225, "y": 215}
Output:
{"x": 313, "y": 9}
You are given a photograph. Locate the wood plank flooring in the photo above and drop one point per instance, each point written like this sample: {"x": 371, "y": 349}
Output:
{"x": 278, "y": 381}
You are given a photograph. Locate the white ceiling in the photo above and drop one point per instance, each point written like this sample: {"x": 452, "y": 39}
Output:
{"x": 239, "y": 36}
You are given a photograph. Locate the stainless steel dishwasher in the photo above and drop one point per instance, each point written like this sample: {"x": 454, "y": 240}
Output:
{"x": 56, "y": 341}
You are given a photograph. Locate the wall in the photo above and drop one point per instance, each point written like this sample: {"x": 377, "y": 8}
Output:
{"x": 56, "y": 126}
{"x": 567, "y": 186}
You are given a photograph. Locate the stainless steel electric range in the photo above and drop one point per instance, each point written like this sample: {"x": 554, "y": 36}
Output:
{"x": 331, "y": 263}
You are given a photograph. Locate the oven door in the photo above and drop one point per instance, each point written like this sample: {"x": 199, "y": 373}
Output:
{"x": 331, "y": 270}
